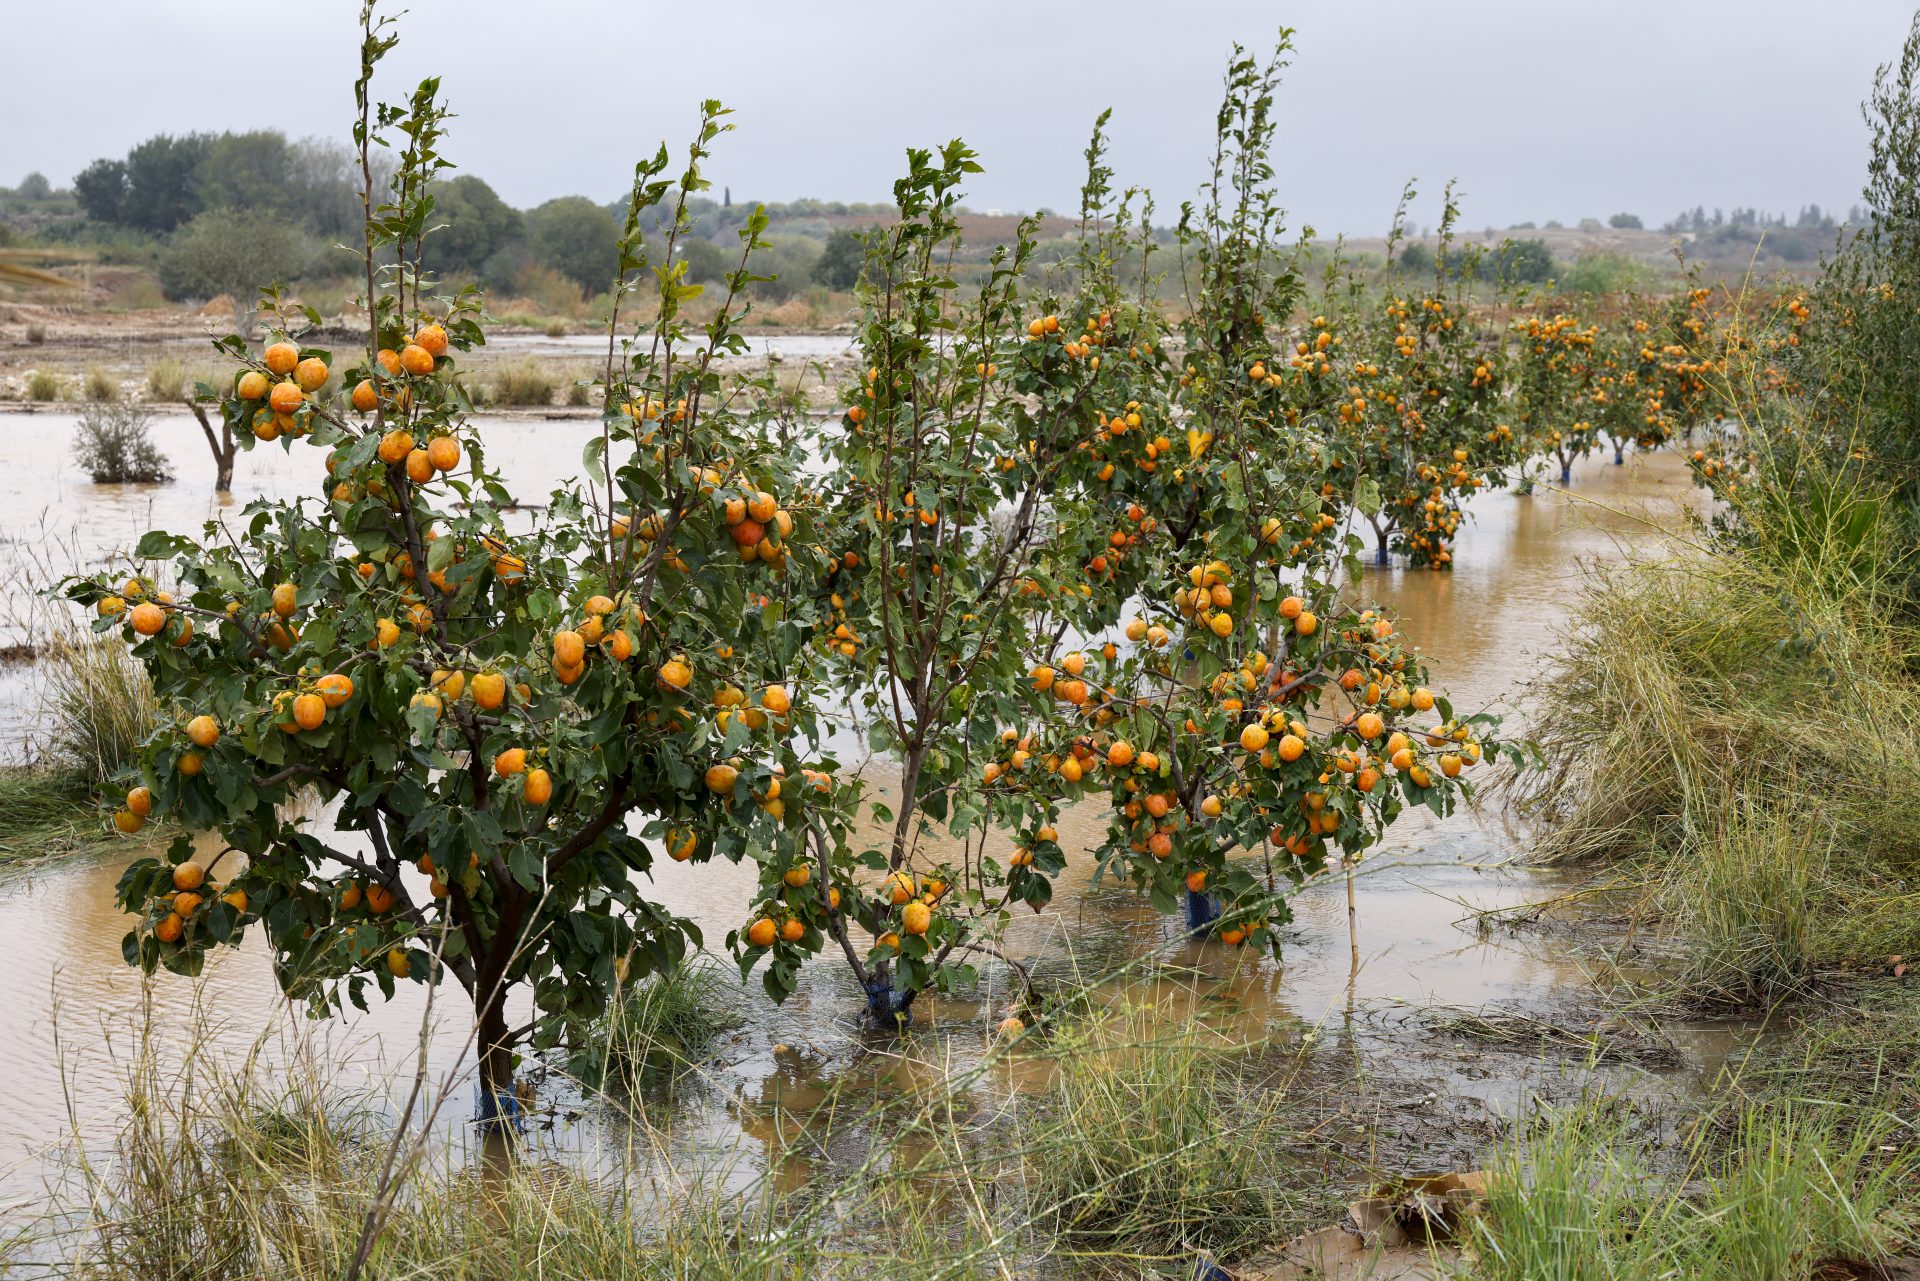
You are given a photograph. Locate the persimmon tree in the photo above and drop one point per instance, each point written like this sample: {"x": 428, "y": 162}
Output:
{"x": 1424, "y": 418}
{"x": 940, "y": 496}
{"x": 1251, "y": 708}
{"x": 1553, "y": 373}
{"x": 486, "y": 700}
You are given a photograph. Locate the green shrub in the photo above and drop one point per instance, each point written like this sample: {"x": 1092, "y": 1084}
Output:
{"x": 115, "y": 446}
{"x": 43, "y": 384}
{"x": 36, "y": 334}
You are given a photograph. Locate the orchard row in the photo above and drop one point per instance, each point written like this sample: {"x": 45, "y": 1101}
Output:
{"x": 1057, "y": 551}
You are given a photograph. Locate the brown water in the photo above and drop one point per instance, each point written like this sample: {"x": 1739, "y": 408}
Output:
{"x": 71, "y": 1006}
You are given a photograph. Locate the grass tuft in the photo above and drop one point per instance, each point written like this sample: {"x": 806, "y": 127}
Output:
{"x": 167, "y": 381}
{"x": 100, "y": 386}
{"x": 1786, "y": 1198}
{"x": 1155, "y": 1143}
{"x": 521, "y": 382}
{"x": 98, "y": 704}
{"x": 47, "y": 812}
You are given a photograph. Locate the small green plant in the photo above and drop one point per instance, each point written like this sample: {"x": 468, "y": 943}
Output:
{"x": 43, "y": 384}
{"x": 555, "y": 328}
{"x": 578, "y": 394}
{"x": 115, "y": 445}
{"x": 101, "y": 387}
{"x": 36, "y": 334}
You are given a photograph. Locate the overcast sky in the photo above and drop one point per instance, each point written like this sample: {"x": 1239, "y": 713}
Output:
{"x": 1541, "y": 110}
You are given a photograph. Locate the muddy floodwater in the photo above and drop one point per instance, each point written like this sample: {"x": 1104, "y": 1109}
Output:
{"x": 71, "y": 1006}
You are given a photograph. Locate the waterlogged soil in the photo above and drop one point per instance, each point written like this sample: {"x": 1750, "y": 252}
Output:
{"x": 126, "y": 349}
{"x": 1370, "y": 1046}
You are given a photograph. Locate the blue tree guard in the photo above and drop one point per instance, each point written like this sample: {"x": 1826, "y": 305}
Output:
{"x": 1203, "y": 910}
{"x": 884, "y": 1004}
{"x": 498, "y": 1110}
{"x": 1205, "y": 1269}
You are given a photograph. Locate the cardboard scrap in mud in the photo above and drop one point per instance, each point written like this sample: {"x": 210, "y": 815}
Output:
{"x": 1407, "y": 1231}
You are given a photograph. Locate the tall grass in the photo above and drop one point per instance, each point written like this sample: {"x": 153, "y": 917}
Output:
{"x": 1147, "y": 1147}
{"x": 660, "y": 1027}
{"x": 43, "y": 384}
{"x": 98, "y": 704}
{"x": 1157, "y": 1144}
{"x": 1582, "y": 1197}
{"x": 1729, "y": 723}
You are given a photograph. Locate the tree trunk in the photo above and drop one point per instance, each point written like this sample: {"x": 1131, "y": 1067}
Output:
{"x": 223, "y": 475}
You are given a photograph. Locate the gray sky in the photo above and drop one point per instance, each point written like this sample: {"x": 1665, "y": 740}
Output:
{"x": 1542, "y": 110}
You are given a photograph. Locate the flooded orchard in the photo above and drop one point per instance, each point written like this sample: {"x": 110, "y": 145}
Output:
{"x": 74, "y": 1007}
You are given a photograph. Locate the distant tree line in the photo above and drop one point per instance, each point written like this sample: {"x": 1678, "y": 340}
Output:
{"x": 229, "y": 208}
{"x": 1810, "y": 218}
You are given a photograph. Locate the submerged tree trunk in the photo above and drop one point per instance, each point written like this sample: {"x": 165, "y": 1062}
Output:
{"x": 221, "y": 444}
{"x": 499, "y": 1108}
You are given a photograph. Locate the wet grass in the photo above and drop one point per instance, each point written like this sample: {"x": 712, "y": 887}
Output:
{"x": 1727, "y": 725}
{"x": 99, "y": 705}
{"x": 1787, "y": 1196}
{"x": 1854, "y": 1057}
{"x": 47, "y": 813}
{"x": 661, "y": 1026}
{"x": 1153, "y": 1141}
{"x": 1158, "y": 1142}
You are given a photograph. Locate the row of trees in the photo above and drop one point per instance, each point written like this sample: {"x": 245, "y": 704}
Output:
{"x": 1053, "y": 552}
{"x": 272, "y": 205}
